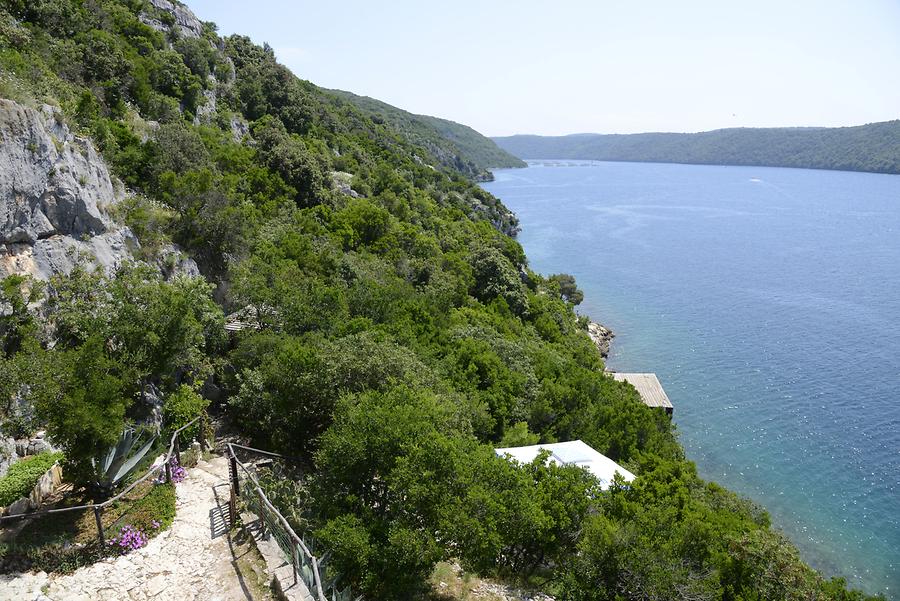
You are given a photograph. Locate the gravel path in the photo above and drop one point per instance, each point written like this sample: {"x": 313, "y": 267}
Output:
{"x": 195, "y": 559}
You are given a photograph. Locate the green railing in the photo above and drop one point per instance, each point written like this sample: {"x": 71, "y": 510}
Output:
{"x": 315, "y": 572}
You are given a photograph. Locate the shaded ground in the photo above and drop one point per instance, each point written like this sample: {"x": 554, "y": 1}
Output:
{"x": 196, "y": 559}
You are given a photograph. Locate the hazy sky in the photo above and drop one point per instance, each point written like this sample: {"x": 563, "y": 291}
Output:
{"x": 557, "y": 67}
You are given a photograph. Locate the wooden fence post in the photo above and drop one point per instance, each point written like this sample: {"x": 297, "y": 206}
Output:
{"x": 178, "y": 449}
{"x": 168, "y": 472}
{"x": 203, "y": 433}
{"x": 97, "y": 512}
{"x": 295, "y": 559}
{"x": 232, "y": 500}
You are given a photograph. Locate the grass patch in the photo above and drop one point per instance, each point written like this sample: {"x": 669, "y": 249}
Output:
{"x": 23, "y": 475}
{"x": 450, "y": 583}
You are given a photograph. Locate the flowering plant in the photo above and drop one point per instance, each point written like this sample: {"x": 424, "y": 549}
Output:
{"x": 129, "y": 539}
{"x": 178, "y": 472}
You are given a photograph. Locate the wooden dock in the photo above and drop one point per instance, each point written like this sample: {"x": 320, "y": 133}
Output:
{"x": 650, "y": 389}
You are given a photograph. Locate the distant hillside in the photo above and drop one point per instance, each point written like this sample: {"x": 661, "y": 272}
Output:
{"x": 456, "y": 146}
{"x": 874, "y": 147}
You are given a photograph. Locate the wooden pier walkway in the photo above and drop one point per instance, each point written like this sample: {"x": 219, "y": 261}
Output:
{"x": 650, "y": 389}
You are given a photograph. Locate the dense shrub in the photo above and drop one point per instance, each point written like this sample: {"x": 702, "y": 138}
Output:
{"x": 179, "y": 408}
{"x": 23, "y": 475}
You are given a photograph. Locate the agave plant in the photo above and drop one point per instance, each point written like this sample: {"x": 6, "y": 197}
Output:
{"x": 122, "y": 458}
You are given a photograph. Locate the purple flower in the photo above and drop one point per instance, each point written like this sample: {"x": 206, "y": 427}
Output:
{"x": 129, "y": 539}
{"x": 178, "y": 473}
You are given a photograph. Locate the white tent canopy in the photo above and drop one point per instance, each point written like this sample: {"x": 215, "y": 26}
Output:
{"x": 574, "y": 452}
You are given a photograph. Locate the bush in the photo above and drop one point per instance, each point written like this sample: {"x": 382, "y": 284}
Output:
{"x": 181, "y": 407}
{"x": 22, "y": 476}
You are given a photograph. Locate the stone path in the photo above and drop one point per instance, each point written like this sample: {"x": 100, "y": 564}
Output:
{"x": 194, "y": 560}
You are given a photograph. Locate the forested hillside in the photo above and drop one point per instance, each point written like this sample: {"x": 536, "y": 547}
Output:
{"x": 457, "y": 146}
{"x": 874, "y": 147}
{"x": 396, "y": 334}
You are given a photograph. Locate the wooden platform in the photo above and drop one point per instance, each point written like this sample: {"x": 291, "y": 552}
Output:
{"x": 649, "y": 388}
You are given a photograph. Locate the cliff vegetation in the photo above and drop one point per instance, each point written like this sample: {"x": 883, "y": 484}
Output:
{"x": 396, "y": 334}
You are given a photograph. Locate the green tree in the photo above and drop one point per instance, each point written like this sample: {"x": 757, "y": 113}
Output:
{"x": 495, "y": 276}
{"x": 568, "y": 289}
{"x": 84, "y": 408}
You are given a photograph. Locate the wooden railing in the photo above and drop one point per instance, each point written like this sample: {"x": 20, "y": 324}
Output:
{"x": 174, "y": 450}
{"x": 306, "y": 565}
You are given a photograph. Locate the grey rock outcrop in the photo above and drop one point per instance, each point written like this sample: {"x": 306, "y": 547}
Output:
{"x": 601, "y": 336}
{"x": 207, "y": 110}
{"x": 54, "y": 193}
{"x": 187, "y": 21}
{"x": 53, "y": 182}
{"x": 340, "y": 182}
{"x": 239, "y": 128}
{"x": 8, "y": 454}
{"x": 172, "y": 263}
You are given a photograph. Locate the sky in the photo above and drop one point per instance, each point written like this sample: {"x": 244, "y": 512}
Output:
{"x": 605, "y": 66}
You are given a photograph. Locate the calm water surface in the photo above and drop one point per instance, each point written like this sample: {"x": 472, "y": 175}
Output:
{"x": 768, "y": 302}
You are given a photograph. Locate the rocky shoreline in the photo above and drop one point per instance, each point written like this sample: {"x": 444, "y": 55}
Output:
{"x": 602, "y": 337}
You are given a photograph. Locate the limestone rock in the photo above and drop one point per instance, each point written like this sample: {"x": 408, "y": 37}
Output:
{"x": 172, "y": 262}
{"x": 207, "y": 110}
{"x": 187, "y": 21}
{"x": 602, "y": 337}
{"x": 54, "y": 193}
{"x": 8, "y": 455}
{"x": 53, "y": 182}
{"x": 239, "y": 128}
{"x": 340, "y": 181}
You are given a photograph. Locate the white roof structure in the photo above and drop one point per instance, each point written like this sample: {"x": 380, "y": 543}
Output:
{"x": 574, "y": 452}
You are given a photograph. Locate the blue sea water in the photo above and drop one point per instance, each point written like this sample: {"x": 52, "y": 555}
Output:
{"x": 768, "y": 302}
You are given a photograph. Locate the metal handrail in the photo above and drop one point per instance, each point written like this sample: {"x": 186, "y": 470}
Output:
{"x": 268, "y": 504}
{"x": 104, "y": 504}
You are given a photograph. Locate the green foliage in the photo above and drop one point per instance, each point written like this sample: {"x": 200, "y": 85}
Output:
{"x": 17, "y": 324}
{"x": 872, "y": 147}
{"x": 160, "y": 330}
{"x": 23, "y": 475}
{"x": 84, "y": 413}
{"x": 568, "y": 289}
{"x": 157, "y": 505}
{"x": 496, "y": 277}
{"x": 123, "y": 458}
{"x": 518, "y": 436}
{"x": 179, "y": 408}
{"x": 456, "y": 147}
{"x": 289, "y": 495}
{"x": 395, "y": 332}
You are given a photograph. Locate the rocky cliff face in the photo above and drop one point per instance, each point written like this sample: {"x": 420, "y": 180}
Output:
{"x": 54, "y": 193}
{"x": 188, "y": 23}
